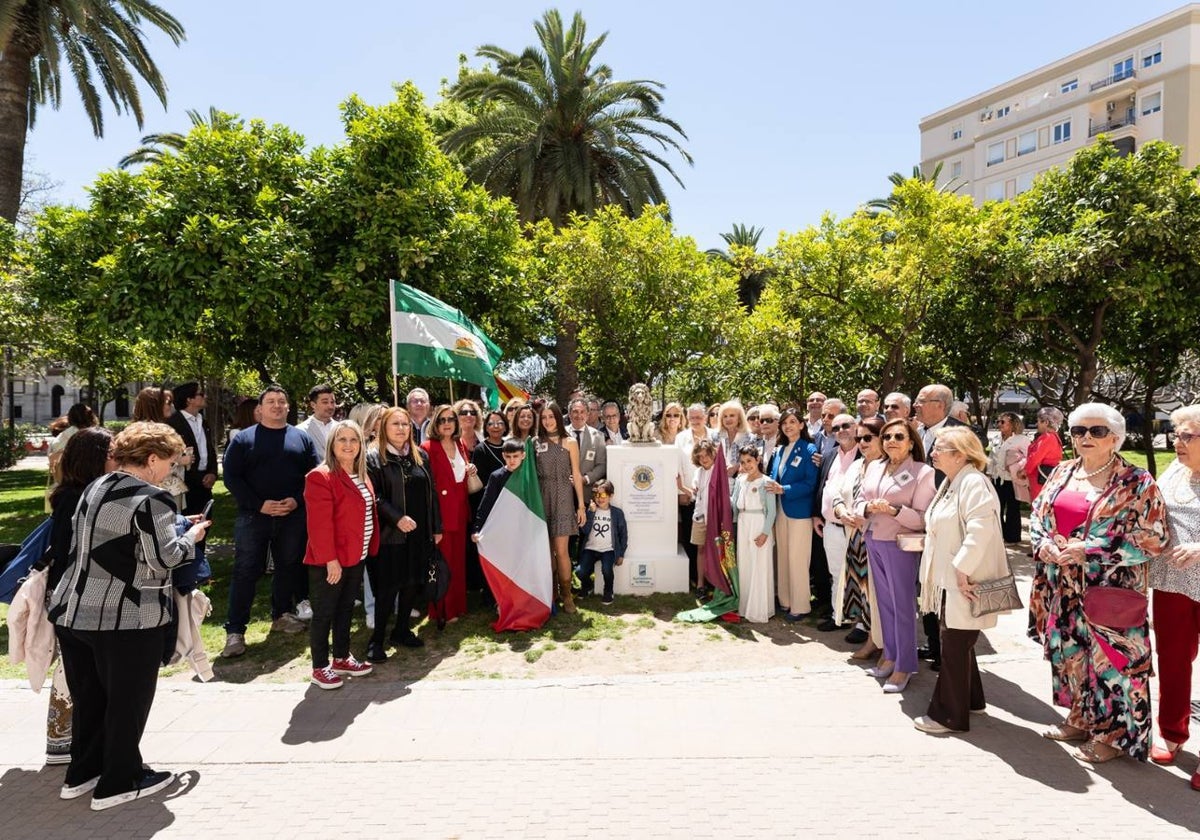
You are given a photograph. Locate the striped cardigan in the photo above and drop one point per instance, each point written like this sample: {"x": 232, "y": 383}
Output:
{"x": 123, "y": 549}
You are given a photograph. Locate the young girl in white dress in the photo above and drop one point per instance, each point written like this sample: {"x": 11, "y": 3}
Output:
{"x": 754, "y": 512}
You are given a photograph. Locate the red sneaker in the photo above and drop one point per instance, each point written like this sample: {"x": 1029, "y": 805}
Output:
{"x": 325, "y": 678}
{"x": 351, "y": 667}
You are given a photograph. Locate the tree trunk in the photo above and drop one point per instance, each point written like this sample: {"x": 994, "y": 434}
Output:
{"x": 566, "y": 361}
{"x": 1087, "y": 375}
{"x": 1148, "y": 412}
{"x": 15, "y": 62}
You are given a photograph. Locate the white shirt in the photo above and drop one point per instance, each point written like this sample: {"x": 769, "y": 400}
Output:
{"x": 197, "y": 425}
{"x": 927, "y": 435}
{"x": 814, "y": 426}
{"x": 833, "y": 484}
{"x": 600, "y": 537}
{"x": 318, "y": 431}
{"x": 685, "y": 441}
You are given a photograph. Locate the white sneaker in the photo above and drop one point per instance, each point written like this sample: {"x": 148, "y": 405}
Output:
{"x": 152, "y": 782}
{"x": 931, "y": 726}
{"x": 76, "y": 791}
{"x": 304, "y": 610}
{"x": 416, "y": 613}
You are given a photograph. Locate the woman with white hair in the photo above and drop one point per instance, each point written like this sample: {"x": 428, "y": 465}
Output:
{"x": 1045, "y": 452}
{"x": 1176, "y": 582}
{"x": 1097, "y": 523}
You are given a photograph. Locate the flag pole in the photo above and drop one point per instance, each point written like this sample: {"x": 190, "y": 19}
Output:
{"x": 451, "y": 381}
{"x": 395, "y": 391}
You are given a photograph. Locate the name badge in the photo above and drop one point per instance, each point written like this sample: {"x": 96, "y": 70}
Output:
{"x": 590, "y": 456}
{"x": 796, "y": 461}
{"x": 1093, "y": 495}
{"x": 541, "y": 447}
{"x": 903, "y": 477}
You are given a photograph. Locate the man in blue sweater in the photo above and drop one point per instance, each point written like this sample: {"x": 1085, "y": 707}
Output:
{"x": 264, "y": 467}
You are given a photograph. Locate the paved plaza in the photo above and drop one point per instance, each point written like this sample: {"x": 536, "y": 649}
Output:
{"x": 815, "y": 750}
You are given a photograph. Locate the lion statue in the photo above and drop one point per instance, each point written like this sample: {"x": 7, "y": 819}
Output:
{"x": 641, "y": 415}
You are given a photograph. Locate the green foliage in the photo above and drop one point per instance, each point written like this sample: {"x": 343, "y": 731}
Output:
{"x": 12, "y": 445}
{"x": 646, "y": 302}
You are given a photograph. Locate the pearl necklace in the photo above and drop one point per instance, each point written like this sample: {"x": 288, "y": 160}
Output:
{"x": 1082, "y": 476}
{"x": 1183, "y": 487}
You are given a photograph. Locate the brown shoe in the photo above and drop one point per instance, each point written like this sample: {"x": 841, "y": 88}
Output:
{"x": 288, "y": 623}
{"x": 867, "y": 651}
{"x": 235, "y": 645}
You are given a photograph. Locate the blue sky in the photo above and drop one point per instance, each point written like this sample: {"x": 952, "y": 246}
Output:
{"x": 791, "y": 108}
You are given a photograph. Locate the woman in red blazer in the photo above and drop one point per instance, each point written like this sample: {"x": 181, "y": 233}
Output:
{"x": 342, "y": 531}
{"x": 451, "y": 463}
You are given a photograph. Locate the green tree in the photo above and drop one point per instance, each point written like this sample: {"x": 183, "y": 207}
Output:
{"x": 1108, "y": 241}
{"x": 100, "y": 41}
{"x": 563, "y": 136}
{"x": 647, "y": 302}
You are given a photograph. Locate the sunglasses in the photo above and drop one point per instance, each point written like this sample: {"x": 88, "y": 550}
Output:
{"x": 442, "y": 420}
{"x": 669, "y": 416}
{"x": 752, "y": 418}
{"x": 1186, "y": 437}
{"x": 712, "y": 414}
{"x": 468, "y": 412}
{"x": 865, "y": 438}
{"x": 1095, "y": 431}
{"x": 769, "y": 420}
{"x": 892, "y": 406}
{"x": 896, "y": 436}
{"x": 599, "y": 494}
{"x": 843, "y": 427}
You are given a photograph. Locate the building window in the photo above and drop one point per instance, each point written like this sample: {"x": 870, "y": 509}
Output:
{"x": 1002, "y": 111}
{"x": 994, "y": 192}
{"x": 1062, "y": 131}
{"x": 1027, "y": 142}
{"x": 1068, "y": 86}
{"x": 956, "y": 132}
{"x": 956, "y": 170}
{"x": 1151, "y": 104}
{"x": 1152, "y": 55}
{"x": 1122, "y": 69}
{"x": 1024, "y": 182}
{"x": 995, "y": 153}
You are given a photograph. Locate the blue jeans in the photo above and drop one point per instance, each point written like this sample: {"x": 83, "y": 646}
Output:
{"x": 587, "y": 565}
{"x": 254, "y": 534}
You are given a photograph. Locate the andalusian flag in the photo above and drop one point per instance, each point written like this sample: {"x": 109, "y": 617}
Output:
{"x": 514, "y": 551}
{"x": 433, "y": 339}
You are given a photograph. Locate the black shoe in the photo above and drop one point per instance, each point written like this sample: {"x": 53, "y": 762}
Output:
{"x": 151, "y": 783}
{"x": 410, "y": 640}
{"x": 375, "y": 652}
{"x": 925, "y": 653}
{"x": 935, "y": 665}
{"x": 828, "y": 626}
{"x": 857, "y": 636}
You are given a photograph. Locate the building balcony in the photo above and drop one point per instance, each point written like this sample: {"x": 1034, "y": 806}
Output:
{"x": 1113, "y": 79}
{"x": 1113, "y": 124}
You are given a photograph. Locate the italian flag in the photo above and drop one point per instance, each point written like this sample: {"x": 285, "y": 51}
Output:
{"x": 431, "y": 338}
{"x": 514, "y": 551}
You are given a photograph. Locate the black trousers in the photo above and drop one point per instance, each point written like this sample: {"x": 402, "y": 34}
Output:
{"x": 933, "y": 635}
{"x": 112, "y": 675}
{"x": 391, "y": 577}
{"x": 820, "y": 582}
{"x": 197, "y": 496}
{"x": 686, "y": 512}
{"x": 1010, "y": 511}
{"x": 959, "y": 688}
{"x": 333, "y": 607}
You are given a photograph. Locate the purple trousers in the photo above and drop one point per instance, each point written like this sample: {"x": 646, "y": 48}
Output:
{"x": 895, "y": 574}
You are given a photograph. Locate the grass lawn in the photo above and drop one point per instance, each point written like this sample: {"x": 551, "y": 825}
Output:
{"x": 284, "y": 658}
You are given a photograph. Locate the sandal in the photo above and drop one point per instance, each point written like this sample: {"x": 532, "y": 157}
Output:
{"x": 1096, "y": 752}
{"x": 1065, "y": 732}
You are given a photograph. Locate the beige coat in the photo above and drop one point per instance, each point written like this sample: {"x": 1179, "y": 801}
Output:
{"x": 962, "y": 527}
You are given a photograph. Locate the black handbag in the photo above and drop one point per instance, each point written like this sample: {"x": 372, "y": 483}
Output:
{"x": 437, "y": 580}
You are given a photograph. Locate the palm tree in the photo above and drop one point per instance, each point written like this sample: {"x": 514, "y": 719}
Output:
{"x": 565, "y": 136}
{"x": 752, "y": 276}
{"x": 888, "y": 205}
{"x": 103, "y": 46}
{"x": 558, "y": 135}
{"x": 156, "y": 146}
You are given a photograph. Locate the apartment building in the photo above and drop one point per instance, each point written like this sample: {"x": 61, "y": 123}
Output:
{"x": 1141, "y": 85}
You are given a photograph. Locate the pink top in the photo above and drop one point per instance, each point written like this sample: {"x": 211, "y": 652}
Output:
{"x": 1070, "y": 510}
{"x": 911, "y": 487}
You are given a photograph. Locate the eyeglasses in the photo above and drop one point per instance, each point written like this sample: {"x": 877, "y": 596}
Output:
{"x": 468, "y": 412}
{"x": 1097, "y": 432}
{"x": 843, "y": 427}
{"x": 1186, "y": 437}
{"x": 815, "y": 399}
{"x": 449, "y": 420}
{"x": 865, "y": 438}
{"x": 499, "y": 423}
{"x": 828, "y": 416}
{"x": 896, "y": 436}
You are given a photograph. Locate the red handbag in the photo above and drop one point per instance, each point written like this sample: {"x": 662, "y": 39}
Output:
{"x": 1114, "y": 606}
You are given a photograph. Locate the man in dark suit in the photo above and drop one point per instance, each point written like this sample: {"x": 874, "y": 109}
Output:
{"x": 189, "y": 422}
{"x": 932, "y": 408}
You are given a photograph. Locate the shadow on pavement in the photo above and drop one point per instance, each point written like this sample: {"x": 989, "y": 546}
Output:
{"x": 1015, "y": 700}
{"x": 1156, "y": 789}
{"x": 325, "y": 715}
{"x": 31, "y": 807}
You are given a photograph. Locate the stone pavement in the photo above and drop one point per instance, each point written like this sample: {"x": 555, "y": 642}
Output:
{"x": 815, "y": 750}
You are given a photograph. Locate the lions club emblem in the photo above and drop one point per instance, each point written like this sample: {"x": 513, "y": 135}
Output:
{"x": 643, "y": 477}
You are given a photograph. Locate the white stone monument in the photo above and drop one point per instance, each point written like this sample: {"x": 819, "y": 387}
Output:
{"x": 643, "y": 476}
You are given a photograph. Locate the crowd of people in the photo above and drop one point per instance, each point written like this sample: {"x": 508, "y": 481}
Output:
{"x": 886, "y": 523}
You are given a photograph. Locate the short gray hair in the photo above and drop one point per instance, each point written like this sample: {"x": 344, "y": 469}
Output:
{"x": 835, "y": 402}
{"x": 1186, "y": 414}
{"x": 1099, "y": 411}
{"x": 1052, "y": 416}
